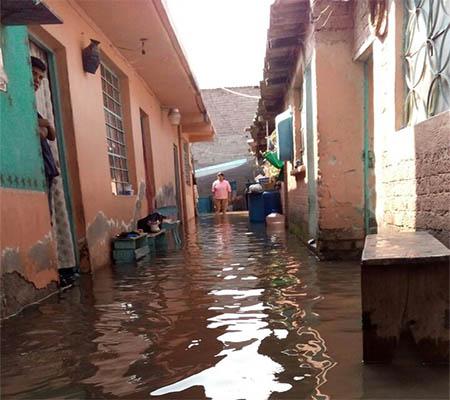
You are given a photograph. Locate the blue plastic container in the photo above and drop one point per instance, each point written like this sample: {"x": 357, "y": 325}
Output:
{"x": 256, "y": 207}
{"x": 204, "y": 205}
{"x": 272, "y": 202}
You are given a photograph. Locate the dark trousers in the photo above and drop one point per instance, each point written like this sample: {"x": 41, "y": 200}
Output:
{"x": 49, "y": 194}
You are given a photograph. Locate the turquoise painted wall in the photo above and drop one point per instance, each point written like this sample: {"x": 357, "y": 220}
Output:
{"x": 21, "y": 164}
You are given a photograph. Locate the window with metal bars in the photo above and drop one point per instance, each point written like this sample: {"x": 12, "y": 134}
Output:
{"x": 115, "y": 134}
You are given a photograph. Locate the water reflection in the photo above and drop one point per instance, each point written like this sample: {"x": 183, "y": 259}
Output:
{"x": 236, "y": 314}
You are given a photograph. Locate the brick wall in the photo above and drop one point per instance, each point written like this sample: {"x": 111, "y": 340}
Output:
{"x": 416, "y": 190}
{"x": 230, "y": 115}
{"x": 412, "y": 164}
{"x": 362, "y": 32}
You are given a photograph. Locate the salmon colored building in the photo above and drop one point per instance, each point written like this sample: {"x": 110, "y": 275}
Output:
{"x": 367, "y": 86}
{"x": 123, "y": 135}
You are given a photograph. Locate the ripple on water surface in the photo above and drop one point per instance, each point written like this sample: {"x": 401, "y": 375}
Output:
{"x": 235, "y": 314}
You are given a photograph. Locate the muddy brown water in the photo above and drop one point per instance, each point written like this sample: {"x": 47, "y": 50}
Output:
{"x": 238, "y": 313}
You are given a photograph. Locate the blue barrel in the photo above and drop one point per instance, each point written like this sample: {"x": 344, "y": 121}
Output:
{"x": 256, "y": 207}
{"x": 204, "y": 205}
{"x": 272, "y": 202}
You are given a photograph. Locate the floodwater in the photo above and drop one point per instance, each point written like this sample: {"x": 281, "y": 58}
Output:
{"x": 236, "y": 314}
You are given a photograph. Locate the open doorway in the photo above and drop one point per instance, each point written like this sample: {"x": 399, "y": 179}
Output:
{"x": 59, "y": 197}
{"x": 370, "y": 195}
{"x": 148, "y": 161}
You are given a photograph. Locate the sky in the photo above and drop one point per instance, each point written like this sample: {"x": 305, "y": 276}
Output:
{"x": 224, "y": 40}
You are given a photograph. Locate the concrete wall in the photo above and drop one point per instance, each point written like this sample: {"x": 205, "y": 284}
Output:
{"x": 412, "y": 162}
{"x": 29, "y": 270}
{"x": 104, "y": 213}
{"x": 340, "y": 143}
{"x": 28, "y": 258}
{"x": 230, "y": 115}
{"x": 295, "y": 199}
{"x": 326, "y": 202}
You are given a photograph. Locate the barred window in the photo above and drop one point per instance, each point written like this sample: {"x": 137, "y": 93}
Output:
{"x": 115, "y": 134}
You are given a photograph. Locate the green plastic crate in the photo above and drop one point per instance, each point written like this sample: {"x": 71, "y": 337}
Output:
{"x": 130, "y": 243}
{"x": 129, "y": 255}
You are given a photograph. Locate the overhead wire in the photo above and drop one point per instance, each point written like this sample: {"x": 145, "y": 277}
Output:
{"x": 240, "y": 94}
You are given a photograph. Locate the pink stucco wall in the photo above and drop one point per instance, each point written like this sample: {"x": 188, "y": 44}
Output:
{"x": 104, "y": 213}
{"x": 28, "y": 257}
{"x": 340, "y": 141}
{"x": 337, "y": 96}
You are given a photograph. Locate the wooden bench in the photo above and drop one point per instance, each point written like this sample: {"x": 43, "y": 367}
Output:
{"x": 405, "y": 288}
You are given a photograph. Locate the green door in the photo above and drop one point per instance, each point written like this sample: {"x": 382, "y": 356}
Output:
{"x": 370, "y": 220}
{"x": 48, "y": 105}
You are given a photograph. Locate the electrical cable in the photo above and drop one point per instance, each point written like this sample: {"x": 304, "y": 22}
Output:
{"x": 240, "y": 94}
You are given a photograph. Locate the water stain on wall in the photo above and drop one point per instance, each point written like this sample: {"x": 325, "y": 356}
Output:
{"x": 11, "y": 261}
{"x": 17, "y": 291}
{"x": 166, "y": 196}
{"x": 42, "y": 253}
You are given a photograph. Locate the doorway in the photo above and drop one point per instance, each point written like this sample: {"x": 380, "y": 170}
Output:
{"x": 47, "y": 103}
{"x": 148, "y": 161}
{"x": 370, "y": 195}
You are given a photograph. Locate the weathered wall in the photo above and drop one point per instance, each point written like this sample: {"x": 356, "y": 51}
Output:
{"x": 411, "y": 163}
{"x": 432, "y": 180}
{"x": 416, "y": 192}
{"x": 295, "y": 201}
{"x": 28, "y": 258}
{"x": 230, "y": 114}
{"x": 340, "y": 139}
{"x": 106, "y": 214}
{"x": 362, "y": 29}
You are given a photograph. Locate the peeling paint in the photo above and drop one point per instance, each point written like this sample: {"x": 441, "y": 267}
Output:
{"x": 11, "y": 260}
{"x": 100, "y": 229}
{"x": 42, "y": 253}
{"x": 137, "y": 213}
{"x": 99, "y": 234}
{"x": 18, "y": 292}
{"x": 166, "y": 196}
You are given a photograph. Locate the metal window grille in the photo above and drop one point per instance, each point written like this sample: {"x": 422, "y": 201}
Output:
{"x": 427, "y": 58}
{"x": 115, "y": 134}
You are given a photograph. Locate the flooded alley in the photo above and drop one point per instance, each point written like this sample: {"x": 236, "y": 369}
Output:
{"x": 236, "y": 314}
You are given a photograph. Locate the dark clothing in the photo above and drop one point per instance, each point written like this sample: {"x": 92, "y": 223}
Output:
{"x": 145, "y": 223}
{"x": 50, "y": 169}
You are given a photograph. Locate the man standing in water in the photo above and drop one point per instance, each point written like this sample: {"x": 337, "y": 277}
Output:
{"x": 221, "y": 190}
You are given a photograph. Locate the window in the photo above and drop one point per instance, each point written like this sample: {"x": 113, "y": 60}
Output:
{"x": 427, "y": 64}
{"x": 115, "y": 134}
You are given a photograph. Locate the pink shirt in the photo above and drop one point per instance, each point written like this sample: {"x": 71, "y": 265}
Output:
{"x": 221, "y": 189}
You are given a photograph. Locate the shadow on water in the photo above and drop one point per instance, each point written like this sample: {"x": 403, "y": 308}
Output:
{"x": 236, "y": 314}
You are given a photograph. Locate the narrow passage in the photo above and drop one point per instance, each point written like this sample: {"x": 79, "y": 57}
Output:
{"x": 236, "y": 314}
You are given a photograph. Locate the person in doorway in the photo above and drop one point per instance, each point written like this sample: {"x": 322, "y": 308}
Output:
{"x": 46, "y": 130}
{"x": 221, "y": 191}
